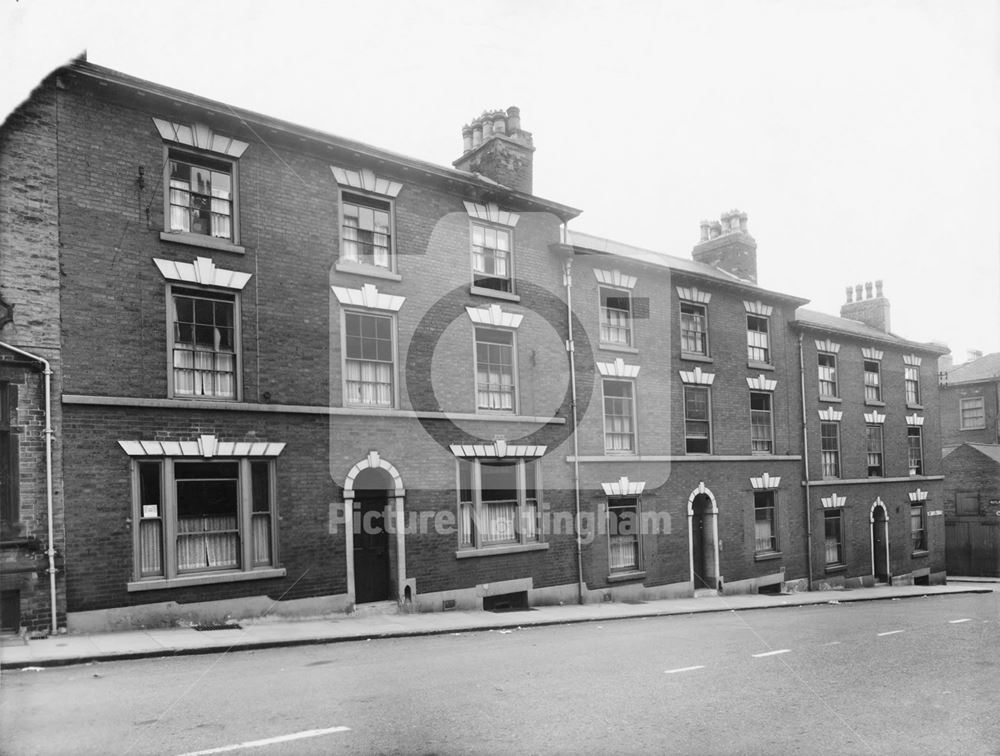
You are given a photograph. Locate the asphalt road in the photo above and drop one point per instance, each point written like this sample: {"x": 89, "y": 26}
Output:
{"x": 906, "y": 676}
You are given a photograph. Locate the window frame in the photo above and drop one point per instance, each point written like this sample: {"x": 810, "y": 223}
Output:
{"x": 525, "y": 538}
{"x": 9, "y": 448}
{"x": 708, "y": 421}
{"x": 877, "y": 385}
{"x": 515, "y": 394}
{"x": 819, "y": 375}
{"x": 836, "y": 514}
{"x": 770, "y": 413}
{"x": 772, "y": 507}
{"x": 915, "y": 431}
{"x": 604, "y": 414}
{"x": 824, "y": 425}
{"x": 166, "y": 513}
{"x": 869, "y": 427}
{"x": 368, "y": 199}
{"x": 622, "y": 503}
{"x": 216, "y": 294}
{"x": 629, "y": 343}
{"x": 706, "y": 348}
{"x": 767, "y": 339}
{"x": 918, "y": 535}
{"x": 203, "y": 159}
{"x": 911, "y": 385}
{"x": 980, "y": 404}
{"x": 477, "y": 287}
{"x": 365, "y": 312}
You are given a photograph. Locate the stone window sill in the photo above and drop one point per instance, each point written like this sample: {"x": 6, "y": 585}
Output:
{"x": 515, "y": 548}
{"x": 360, "y": 269}
{"x": 835, "y": 399}
{"x": 207, "y": 578}
{"x": 695, "y": 357}
{"x": 874, "y": 403}
{"x": 832, "y": 568}
{"x": 920, "y": 554}
{"x": 618, "y": 348}
{"x": 494, "y": 294}
{"x": 914, "y": 406}
{"x": 200, "y": 240}
{"x": 760, "y": 365}
{"x": 624, "y": 577}
{"x": 768, "y": 556}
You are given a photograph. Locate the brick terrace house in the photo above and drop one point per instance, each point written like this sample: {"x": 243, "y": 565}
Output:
{"x": 970, "y": 427}
{"x": 874, "y": 467}
{"x": 295, "y": 373}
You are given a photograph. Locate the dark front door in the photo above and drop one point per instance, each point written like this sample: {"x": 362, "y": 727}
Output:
{"x": 699, "y": 525}
{"x": 878, "y": 545}
{"x": 371, "y": 551}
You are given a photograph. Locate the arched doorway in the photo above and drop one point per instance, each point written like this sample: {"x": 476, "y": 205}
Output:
{"x": 880, "y": 542}
{"x": 376, "y": 558}
{"x": 703, "y": 538}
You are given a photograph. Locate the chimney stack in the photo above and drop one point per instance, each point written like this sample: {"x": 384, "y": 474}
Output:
{"x": 872, "y": 310}
{"x": 727, "y": 245}
{"x": 496, "y": 146}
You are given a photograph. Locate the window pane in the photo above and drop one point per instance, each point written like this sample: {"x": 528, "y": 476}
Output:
{"x": 765, "y": 533}
{"x": 207, "y": 515}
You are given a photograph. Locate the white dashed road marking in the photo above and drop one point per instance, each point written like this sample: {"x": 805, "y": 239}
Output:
{"x": 832, "y": 643}
{"x": 684, "y": 669}
{"x": 772, "y": 653}
{"x": 955, "y": 622}
{"x": 270, "y": 741}
{"x": 891, "y": 632}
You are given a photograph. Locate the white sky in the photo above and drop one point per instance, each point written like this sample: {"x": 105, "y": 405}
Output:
{"x": 860, "y": 137}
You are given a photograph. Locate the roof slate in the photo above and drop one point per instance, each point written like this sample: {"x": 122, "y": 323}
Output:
{"x": 983, "y": 369}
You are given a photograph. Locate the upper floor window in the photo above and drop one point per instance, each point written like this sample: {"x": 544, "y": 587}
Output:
{"x": 873, "y": 447}
{"x": 694, "y": 328}
{"x": 201, "y": 195}
{"x": 830, "y": 449}
{"x": 915, "y": 450}
{"x": 497, "y": 502}
{"x": 911, "y": 380}
{"x": 204, "y": 338}
{"x": 495, "y": 383}
{"x": 492, "y": 266}
{"x": 619, "y": 416}
{"x": 616, "y": 317}
{"x": 369, "y": 359}
{"x": 827, "y": 374}
{"x": 623, "y": 534}
{"x": 366, "y": 231}
{"x": 873, "y": 381}
{"x": 761, "y": 423}
{"x": 972, "y": 413}
{"x": 697, "y": 420}
{"x": 758, "y": 348}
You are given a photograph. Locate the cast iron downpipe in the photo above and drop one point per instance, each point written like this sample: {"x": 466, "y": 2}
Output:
{"x": 805, "y": 467}
{"x": 51, "y": 550}
{"x": 568, "y": 281}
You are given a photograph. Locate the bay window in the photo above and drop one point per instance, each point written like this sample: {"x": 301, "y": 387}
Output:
{"x": 497, "y": 502}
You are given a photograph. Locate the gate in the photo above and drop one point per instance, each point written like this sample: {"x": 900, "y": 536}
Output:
{"x": 972, "y": 547}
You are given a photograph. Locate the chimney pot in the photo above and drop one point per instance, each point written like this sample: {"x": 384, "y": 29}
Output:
{"x": 705, "y": 227}
{"x": 868, "y": 290}
{"x": 499, "y": 124}
{"x": 878, "y": 288}
{"x": 850, "y": 294}
{"x": 487, "y": 128}
{"x": 513, "y": 119}
{"x": 466, "y": 138}
{"x": 857, "y": 292}
{"x": 477, "y": 133}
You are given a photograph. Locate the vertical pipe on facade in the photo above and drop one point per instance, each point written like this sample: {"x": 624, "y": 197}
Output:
{"x": 805, "y": 467}
{"x": 568, "y": 281}
{"x": 51, "y": 550}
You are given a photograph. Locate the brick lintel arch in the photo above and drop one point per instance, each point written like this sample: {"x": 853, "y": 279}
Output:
{"x": 374, "y": 461}
{"x": 702, "y": 489}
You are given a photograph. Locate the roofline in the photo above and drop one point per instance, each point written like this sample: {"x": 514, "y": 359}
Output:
{"x": 110, "y": 76}
{"x": 916, "y": 346}
{"x": 945, "y": 382}
{"x": 734, "y": 282}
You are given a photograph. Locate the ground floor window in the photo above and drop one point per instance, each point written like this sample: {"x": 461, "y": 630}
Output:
{"x": 497, "y": 502}
{"x": 203, "y": 516}
{"x": 765, "y": 522}
{"x": 918, "y": 527}
{"x": 833, "y": 527}
{"x": 623, "y": 534}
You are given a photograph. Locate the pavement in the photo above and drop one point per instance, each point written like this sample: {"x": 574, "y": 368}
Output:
{"x": 59, "y": 650}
